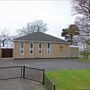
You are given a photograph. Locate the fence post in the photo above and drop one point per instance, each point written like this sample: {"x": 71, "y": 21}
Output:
{"x": 54, "y": 87}
{"x": 23, "y": 71}
{"x": 43, "y": 76}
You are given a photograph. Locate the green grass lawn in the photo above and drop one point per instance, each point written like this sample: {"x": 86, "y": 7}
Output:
{"x": 70, "y": 79}
{"x": 85, "y": 60}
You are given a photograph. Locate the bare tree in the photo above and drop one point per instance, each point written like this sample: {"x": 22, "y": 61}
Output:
{"x": 36, "y": 26}
{"x": 5, "y": 38}
{"x": 81, "y": 7}
{"x": 84, "y": 25}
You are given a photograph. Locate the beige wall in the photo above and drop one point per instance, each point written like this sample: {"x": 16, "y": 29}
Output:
{"x": 74, "y": 52}
{"x": 56, "y": 51}
{"x": 0, "y": 52}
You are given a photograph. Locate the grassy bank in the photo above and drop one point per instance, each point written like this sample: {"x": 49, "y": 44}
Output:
{"x": 71, "y": 79}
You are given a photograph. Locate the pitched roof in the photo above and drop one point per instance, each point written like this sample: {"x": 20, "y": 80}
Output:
{"x": 39, "y": 36}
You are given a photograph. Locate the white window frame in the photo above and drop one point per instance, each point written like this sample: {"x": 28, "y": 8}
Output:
{"x": 40, "y": 49}
{"x": 21, "y": 48}
{"x": 31, "y": 49}
{"x": 48, "y": 49}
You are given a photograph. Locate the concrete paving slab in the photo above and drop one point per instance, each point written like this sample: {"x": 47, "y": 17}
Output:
{"x": 20, "y": 84}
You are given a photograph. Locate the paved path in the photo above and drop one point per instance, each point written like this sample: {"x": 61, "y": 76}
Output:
{"x": 48, "y": 64}
{"x": 16, "y": 84}
{"x": 20, "y": 84}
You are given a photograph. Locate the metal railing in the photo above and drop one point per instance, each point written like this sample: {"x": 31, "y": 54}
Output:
{"x": 24, "y": 72}
{"x": 49, "y": 84}
{"x": 33, "y": 74}
{"x": 10, "y": 72}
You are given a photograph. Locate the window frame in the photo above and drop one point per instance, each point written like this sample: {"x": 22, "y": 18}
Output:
{"x": 22, "y": 48}
{"x": 31, "y": 48}
{"x": 40, "y": 48}
{"x": 48, "y": 48}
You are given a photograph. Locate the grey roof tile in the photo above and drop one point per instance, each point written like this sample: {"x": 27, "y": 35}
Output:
{"x": 39, "y": 36}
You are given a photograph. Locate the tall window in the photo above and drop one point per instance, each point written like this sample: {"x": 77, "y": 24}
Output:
{"x": 31, "y": 47}
{"x": 21, "y": 47}
{"x": 49, "y": 48}
{"x": 40, "y": 48}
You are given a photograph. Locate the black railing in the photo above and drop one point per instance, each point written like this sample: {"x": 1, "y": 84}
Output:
{"x": 49, "y": 84}
{"x": 21, "y": 72}
{"x": 10, "y": 72}
{"x": 24, "y": 72}
{"x": 34, "y": 74}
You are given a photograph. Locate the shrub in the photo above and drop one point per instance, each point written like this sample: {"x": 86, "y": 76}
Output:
{"x": 85, "y": 53}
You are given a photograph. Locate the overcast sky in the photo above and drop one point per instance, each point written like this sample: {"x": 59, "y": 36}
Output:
{"x": 16, "y": 14}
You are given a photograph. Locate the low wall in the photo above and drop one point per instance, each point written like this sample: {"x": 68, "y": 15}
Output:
{"x": 74, "y": 52}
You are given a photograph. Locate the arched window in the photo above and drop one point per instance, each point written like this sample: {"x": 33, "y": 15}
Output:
{"x": 39, "y": 45}
{"x": 49, "y": 48}
{"x": 40, "y": 48}
{"x": 31, "y": 47}
{"x": 21, "y": 47}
